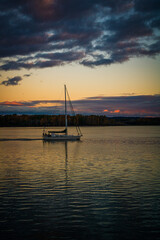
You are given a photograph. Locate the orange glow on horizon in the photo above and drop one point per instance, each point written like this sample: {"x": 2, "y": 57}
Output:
{"x": 116, "y": 111}
{"x": 47, "y": 105}
{"x": 13, "y": 103}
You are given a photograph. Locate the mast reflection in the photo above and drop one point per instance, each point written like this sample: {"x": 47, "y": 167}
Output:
{"x": 65, "y": 144}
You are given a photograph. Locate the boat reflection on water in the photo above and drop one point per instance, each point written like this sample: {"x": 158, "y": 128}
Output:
{"x": 65, "y": 145}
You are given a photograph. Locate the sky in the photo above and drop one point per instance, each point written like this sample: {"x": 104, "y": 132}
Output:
{"x": 107, "y": 52}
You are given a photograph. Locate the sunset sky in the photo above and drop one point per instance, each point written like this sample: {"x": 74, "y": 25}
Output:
{"x": 107, "y": 52}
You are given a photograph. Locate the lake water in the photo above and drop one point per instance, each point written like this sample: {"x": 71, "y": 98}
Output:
{"x": 106, "y": 186}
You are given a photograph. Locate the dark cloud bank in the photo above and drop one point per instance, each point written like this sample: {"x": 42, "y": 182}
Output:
{"x": 144, "y": 106}
{"x": 48, "y": 33}
{"x": 12, "y": 81}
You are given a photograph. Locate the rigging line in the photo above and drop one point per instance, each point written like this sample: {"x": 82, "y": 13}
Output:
{"x": 77, "y": 127}
{"x": 72, "y": 111}
{"x": 59, "y": 105}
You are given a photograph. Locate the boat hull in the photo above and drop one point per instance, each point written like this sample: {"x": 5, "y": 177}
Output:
{"x": 62, "y": 138}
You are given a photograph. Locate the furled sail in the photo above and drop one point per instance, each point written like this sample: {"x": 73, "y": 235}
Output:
{"x": 62, "y": 131}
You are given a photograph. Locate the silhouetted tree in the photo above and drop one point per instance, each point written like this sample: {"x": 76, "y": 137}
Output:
{"x": 81, "y": 120}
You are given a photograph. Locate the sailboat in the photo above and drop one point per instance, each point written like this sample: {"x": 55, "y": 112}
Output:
{"x": 63, "y": 135}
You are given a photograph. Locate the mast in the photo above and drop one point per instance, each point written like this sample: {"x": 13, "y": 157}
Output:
{"x": 65, "y": 109}
{"x": 77, "y": 127}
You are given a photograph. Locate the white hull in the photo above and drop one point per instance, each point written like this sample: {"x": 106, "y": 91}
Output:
{"x": 62, "y": 138}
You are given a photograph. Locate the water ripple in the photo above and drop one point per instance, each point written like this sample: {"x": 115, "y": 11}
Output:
{"x": 105, "y": 187}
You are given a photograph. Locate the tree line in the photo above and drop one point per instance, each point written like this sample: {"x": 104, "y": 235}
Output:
{"x": 15, "y": 120}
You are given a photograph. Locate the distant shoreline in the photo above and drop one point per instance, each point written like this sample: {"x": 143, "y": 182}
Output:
{"x": 83, "y": 120}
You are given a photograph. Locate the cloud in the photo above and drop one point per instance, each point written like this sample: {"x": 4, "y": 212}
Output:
{"x": 143, "y": 105}
{"x": 47, "y": 60}
{"x": 12, "y": 81}
{"x": 91, "y": 33}
{"x": 147, "y": 5}
{"x": 14, "y": 103}
{"x": 27, "y": 75}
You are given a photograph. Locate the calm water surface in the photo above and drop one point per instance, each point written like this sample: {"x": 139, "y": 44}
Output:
{"x": 106, "y": 186}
